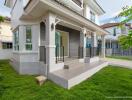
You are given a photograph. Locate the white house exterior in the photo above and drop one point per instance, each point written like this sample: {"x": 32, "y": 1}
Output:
{"x": 49, "y": 32}
{"x": 6, "y": 38}
{"x": 112, "y": 45}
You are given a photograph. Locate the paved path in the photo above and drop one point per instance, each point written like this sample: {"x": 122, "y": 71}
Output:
{"x": 119, "y": 62}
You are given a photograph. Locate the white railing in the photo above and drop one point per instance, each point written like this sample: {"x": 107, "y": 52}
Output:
{"x": 73, "y": 4}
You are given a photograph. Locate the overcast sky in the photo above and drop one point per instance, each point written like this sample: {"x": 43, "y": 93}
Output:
{"x": 111, "y": 7}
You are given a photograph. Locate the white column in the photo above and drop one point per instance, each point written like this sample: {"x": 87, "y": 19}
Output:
{"x": 83, "y": 41}
{"x": 94, "y": 40}
{"x": 50, "y": 41}
{"x": 22, "y": 38}
{"x": 103, "y": 46}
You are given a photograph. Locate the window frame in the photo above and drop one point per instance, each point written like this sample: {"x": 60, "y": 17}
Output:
{"x": 6, "y": 45}
{"x": 92, "y": 16}
{"x": 16, "y": 39}
{"x": 28, "y": 43}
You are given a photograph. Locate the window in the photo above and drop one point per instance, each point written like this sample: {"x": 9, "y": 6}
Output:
{"x": 7, "y": 45}
{"x": 16, "y": 40}
{"x": 42, "y": 31}
{"x": 88, "y": 42}
{"x": 28, "y": 45}
{"x": 92, "y": 16}
{"x": 114, "y": 32}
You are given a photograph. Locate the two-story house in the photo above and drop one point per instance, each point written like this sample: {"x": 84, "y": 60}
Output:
{"x": 6, "y": 38}
{"x": 51, "y": 37}
{"x": 112, "y": 45}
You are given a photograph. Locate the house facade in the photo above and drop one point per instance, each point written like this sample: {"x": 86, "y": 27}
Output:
{"x": 47, "y": 33}
{"x": 112, "y": 45}
{"x": 6, "y": 38}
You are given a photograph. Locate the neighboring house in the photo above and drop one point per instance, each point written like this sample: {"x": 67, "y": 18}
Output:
{"x": 50, "y": 33}
{"x": 5, "y": 39}
{"x": 112, "y": 45}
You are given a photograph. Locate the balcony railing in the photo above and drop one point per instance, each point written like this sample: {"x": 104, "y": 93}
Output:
{"x": 72, "y": 4}
{"x": 42, "y": 54}
{"x": 59, "y": 54}
{"x": 78, "y": 2}
{"x": 93, "y": 51}
{"x": 80, "y": 52}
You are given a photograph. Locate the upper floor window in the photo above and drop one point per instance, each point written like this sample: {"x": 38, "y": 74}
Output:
{"x": 16, "y": 39}
{"x": 114, "y": 32}
{"x": 28, "y": 44}
{"x": 92, "y": 16}
{"x": 78, "y": 2}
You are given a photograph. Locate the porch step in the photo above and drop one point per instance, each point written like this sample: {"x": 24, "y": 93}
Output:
{"x": 71, "y": 77}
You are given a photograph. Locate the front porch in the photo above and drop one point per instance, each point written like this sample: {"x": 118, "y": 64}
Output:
{"x": 76, "y": 73}
{"x": 70, "y": 40}
{"x": 70, "y": 51}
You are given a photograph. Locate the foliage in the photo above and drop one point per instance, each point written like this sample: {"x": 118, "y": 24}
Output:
{"x": 126, "y": 41}
{"x": 1, "y": 19}
{"x": 100, "y": 86}
{"x": 127, "y": 13}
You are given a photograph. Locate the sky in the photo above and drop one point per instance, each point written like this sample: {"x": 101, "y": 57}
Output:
{"x": 4, "y": 10}
{"x": 111, "y": 7}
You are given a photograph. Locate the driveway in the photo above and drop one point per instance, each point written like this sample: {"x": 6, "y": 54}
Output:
{"x": 119, "y": 62}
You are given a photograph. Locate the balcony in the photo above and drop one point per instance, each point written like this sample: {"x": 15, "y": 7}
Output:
{"x": 73, "y": 4}
{"x": 78, "y": 2}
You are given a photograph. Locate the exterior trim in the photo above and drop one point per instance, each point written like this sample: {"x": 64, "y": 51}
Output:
{"x": 72, "y": 11}
{"x": 99, "y": 6}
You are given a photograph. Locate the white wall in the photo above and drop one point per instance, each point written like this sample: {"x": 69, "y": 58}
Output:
{"x": 16, "y": 13}
{"x": 87, "y": 10}
{"x": 5, "y": 54}
{"x": 5, "y": 32}
{"x": 23, "y": 54}
{"x": 111, "y": 32}
{"x": 25, "y": 2}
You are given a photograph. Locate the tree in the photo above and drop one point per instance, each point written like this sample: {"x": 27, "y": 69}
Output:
{"x": 127, "y": 13}
{"x": 124, "y": 40}
{"x": 1, "y": 19}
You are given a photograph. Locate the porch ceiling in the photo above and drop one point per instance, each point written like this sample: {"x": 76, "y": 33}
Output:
{"x": 38, "y": 8}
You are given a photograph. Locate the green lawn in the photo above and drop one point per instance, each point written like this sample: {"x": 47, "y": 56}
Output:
{"x": 121, "y": 57}
{"x": 111, "y": 81}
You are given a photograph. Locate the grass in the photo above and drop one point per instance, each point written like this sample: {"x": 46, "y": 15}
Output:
{"x": 121, "y": 57}
{"x": 109, "y": 82}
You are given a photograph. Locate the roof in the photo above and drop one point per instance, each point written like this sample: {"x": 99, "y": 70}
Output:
{"x": 108, "y": 25}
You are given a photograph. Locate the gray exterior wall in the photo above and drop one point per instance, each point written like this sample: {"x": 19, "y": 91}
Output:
{"x": 74, "y": 40}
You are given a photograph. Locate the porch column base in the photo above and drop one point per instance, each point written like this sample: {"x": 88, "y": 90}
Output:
{"x": 91, "y": 60}
{"x": 81, "y": 60}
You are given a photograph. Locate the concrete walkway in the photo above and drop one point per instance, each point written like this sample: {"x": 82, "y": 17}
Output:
{"x": 119, "y": 62}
